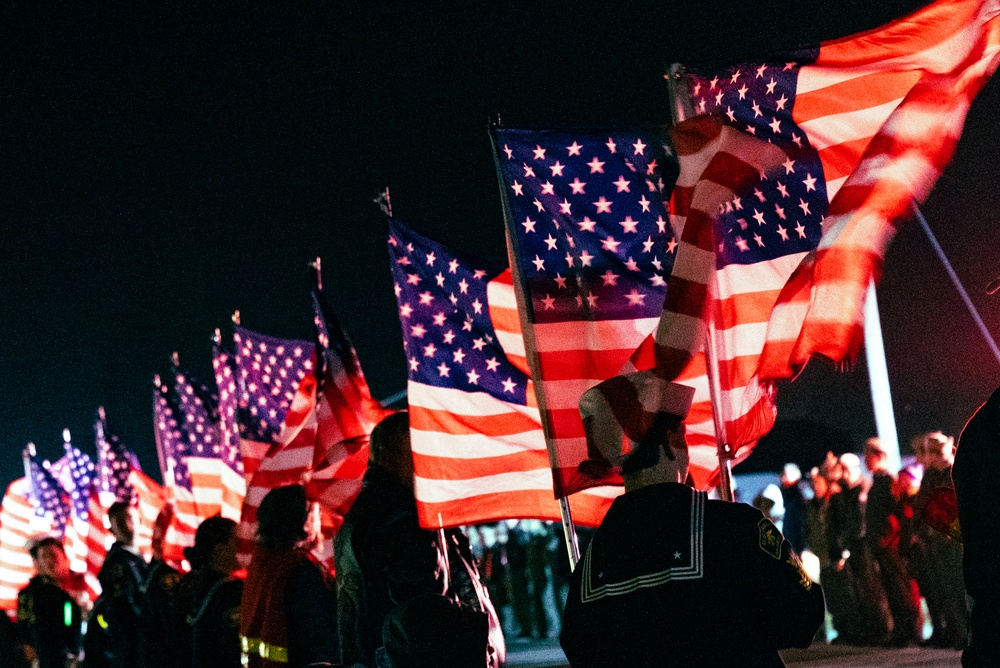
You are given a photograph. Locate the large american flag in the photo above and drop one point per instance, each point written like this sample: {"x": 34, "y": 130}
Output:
{"x": 869, "y": 122}
{"x": 594, "y": 248}
{"x": 18, "y": 523}
{"x": 276, "y": 390}
{"x": 478, "y": 450}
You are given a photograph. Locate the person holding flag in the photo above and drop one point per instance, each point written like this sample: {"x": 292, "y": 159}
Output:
{"x": 670, "y": 573}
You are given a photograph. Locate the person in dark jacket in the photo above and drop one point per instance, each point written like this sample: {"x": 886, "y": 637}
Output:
{"x": 115, "y": 625}
{"x": 432, "y": 631}
{"x": 882, "y": 534}
{"x": 384, "y": 558}
{"x": 12, "y": 646}
{"x": 49, "y": 617}
{"x": 670, "y": 577}
{"x": 158, "y": 642}
{"x": 208, "y": 598}
{"x": 977, "y": 490}
{"x": 288, "y": 611}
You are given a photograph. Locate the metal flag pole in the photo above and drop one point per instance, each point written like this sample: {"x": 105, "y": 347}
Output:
{"x": 26, "y": 455}
{"x": 878, "y": 376}
{"x": 681, "y": 109}
{"x": 102, "y": 472}
{"x": 317, "y": 265}
{"x": 955, "y": 280}
{"x": 531, "y": 352}
{"x": 165, "y": 467}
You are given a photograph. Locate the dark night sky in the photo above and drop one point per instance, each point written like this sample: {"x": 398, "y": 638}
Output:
{"x": 162, "y": 165}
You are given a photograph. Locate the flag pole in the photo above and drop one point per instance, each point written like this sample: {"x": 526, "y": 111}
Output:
{"x": 878, "y": 377}
{"x": 26, "y": 455}
{"x": 681, "y": 109}
{"x": 102, "y": 438}
{"x": 958, "y": 283}
{"x": 317, "y": 265}
{"x": 531, "y": 352}
{"x": 165, "y": 468}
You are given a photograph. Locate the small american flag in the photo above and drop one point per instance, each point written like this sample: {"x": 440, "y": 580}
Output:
{"x": 276, "y": 386}
{"x": 869, "y": 122}
{"x": 81, "y": 475}
{"x": 346, "y": 413}
{"x": 595, "y": 249}
{"x": 115, "y": 462}
{"x": 478, "y": 450}
{"x": 47, "y": 494}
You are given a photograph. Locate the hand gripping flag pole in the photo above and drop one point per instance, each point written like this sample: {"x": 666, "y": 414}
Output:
{"x": 681, "y": 109}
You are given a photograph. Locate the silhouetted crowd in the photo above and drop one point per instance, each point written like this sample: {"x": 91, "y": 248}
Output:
{"x": 405, "y": 596}
{"x": 878, "y": 560}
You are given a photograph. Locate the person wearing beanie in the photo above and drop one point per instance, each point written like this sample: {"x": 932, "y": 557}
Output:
{"x": 208, "y": 598}
{"x": 671, "y": 577}
{"x": 288, "y": 612}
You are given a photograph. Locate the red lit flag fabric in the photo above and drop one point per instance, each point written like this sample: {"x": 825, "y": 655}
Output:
{"x": 869, "y": 122}
{"x": 718, "y": 166}
{"x": 346, "y": 413}
{"x": 594, "y": 250}
{"x": 276, "y": 385}
{"x": 478, "y": 450}
{"x": 98, "y": 539}
{"x": 18, "y": 523}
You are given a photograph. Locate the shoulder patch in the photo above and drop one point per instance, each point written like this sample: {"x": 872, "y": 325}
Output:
{"x": 769, "y": 538}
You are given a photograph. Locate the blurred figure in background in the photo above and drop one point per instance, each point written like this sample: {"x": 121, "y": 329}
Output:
{"x": 793, "y": 496}
{"x": 882, "y": 533}
{"x": 944, "y": 555}
{"x": 158, "y": 641}
{"x": 208, "y": 598}
{"x": 49, "y": 617}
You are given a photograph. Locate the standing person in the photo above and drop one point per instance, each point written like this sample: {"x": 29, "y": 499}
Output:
{"x": 112, "y": 633}
{"x": 49, "y": 617}
{"x": 977, "y": 490}
{"x": 944, "y": 555}
{"x": 794, "y": 498}
{"x": 158, "y": 640}
{"x": 882, "y": 533}
{"x": 288, "y": 613}
{"x": 208, "y": 598}
{"x": 671, "y": 577}
{"x": 384, "y": 558}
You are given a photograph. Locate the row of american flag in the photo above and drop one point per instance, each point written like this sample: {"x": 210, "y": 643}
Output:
{"x": 747, "y": 234}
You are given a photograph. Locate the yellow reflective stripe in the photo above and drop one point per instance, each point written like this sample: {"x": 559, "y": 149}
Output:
{"x": 264, "y": 650}
{"x": 103, "y": 623}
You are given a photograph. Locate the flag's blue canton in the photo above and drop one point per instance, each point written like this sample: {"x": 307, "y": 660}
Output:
{"x": 115, "y": 462}
{"x": 269, "y": 371}
{"x": 593, "y": 234}
{"x": 225, "y": 381}
{"x": 49, "y": 495}
{"x": 172, "y": 442}
{"x": 447, "y": 332}
{"x": 81, "y": 470}
{"x": 201, "y": 421}
{"x": 782, "y": 214}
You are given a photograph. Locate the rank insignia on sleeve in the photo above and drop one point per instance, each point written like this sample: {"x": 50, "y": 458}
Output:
{"x": 796, "y": 563}
{"x": 769, "y": 538}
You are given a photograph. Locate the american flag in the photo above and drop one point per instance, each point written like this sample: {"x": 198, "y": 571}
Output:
{"x": 115, "y": 462}
{"x": 478, "y": 450}
{"x": 81, "y": 475}
{"x": 75, "y": 472}
{"x": 595, "y": 249}
{"x": 718, "y": 163}
{"x": 346, "y": 413}
{"x": 18, "y": 523}
{"x": 869, "y": 122}
{"x": 276, "y": 386}
{"x": 98, "y": 539}
{"x": 47, "y": 494}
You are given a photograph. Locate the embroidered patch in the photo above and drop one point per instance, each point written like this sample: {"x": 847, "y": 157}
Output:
{"x": 769, "y": 538}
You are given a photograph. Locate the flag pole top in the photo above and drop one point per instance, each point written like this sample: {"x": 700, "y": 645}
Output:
{"x": 681, "y": 107}
{"x": 384, "y": 202}
{"x": 317, "y": 264}
{"x": 217, "y": 337}
{"x": 236, "y": 316}
{"x": 175, "y": 359}
{"x": 100, "y": 413}
{"x": 30, "y": 449}
{"x": 66, "y": 438}
{"x": 156, "y": 380}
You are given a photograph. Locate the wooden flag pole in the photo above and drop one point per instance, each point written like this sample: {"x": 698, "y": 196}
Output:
{"x": 531, "y": 352}
{"x": 680, "y": 109}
